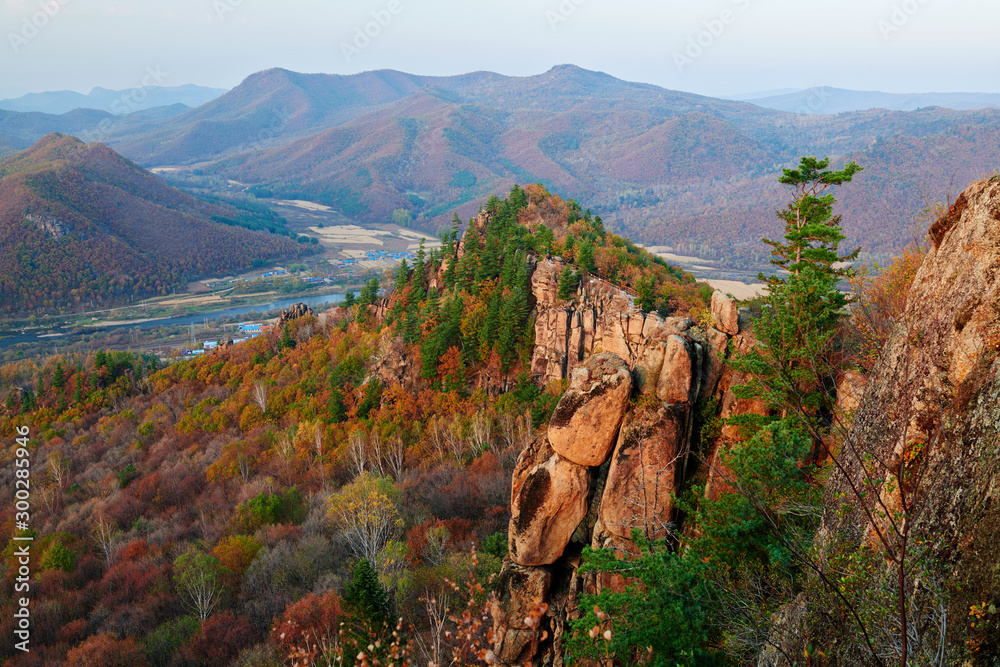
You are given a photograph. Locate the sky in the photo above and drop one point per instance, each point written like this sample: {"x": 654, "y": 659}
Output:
{"x": 712, "y": 47}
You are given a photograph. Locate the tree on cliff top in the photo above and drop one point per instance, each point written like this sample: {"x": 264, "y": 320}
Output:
{"x": 812, "y": 232}
{"x": 798, "y": 330}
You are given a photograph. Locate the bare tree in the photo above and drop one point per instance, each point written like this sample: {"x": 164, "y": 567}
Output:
{"x": 507, "y": 425}
{"x": 357, "y": 451}
{"x": 366, "y": 514}
{"x": 480, "y": 431}
{"x": 58, "y": 465}
{"x": 284, "y": 450}
{"x": 436, "y": 428}
{"x": 199, "y": 580}
{"x": 318, "y": 449}
{"x": 376, "y": 450}
{"x": 455, "y": 439}
{"x": 108, "y": 539}
{"x": 259, "y": 395}
{"x": 395, "y": 455}
{"x": 436, "y": 613}
{"x": 245, "y": 465}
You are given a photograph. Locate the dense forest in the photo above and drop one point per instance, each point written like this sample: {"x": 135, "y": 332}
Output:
{"x": 293, "y": 495}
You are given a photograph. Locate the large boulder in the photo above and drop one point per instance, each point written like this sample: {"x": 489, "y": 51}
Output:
{"x": 726, "y": 313}
{"x": 585, "y": 423}
{"x": 645, "y": 473}
{"x": 666, "y": 369}
{"x": 715, "y": 362}
{"x": 548, "y": 501}
{"x": 678, "y": 373}
{"x": 517, "y": 590}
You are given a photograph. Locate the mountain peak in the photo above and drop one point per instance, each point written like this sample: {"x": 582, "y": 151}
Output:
{"x": 569, "y": 69}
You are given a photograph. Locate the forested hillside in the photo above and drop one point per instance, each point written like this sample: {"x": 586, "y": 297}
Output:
{"x": 236, "y": 508}
{"x": 81, "y": 226}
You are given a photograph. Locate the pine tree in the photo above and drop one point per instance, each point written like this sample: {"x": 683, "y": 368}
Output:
{"x": 511, "y": 257}
{"x": 470, "y": 260}
{"x": 420, "y": 273}
{"x": 365, "y": 596}
{"x": 27, "y": 401}
{"x": 411, "y": 325}
{"x": 798, "y": 330}
{"x": 585, "y": 257}
{"x": 369, "y": 293}
{"x": 59, "y": 377}
{"x": 568, "y": 281}
{"x": 812, "y": 232}
{"x": 512, "y": 316}
{"x": 402, "y": 276}
{"x": 286, "y": 340}
{"x": 491, "y": 324}
{"x": 489, "y": 265}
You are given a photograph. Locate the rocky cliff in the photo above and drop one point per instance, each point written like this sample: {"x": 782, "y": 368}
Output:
{"x": 618, "y": 447}
{"x": 923, "y": 455}
{"x": 603, "y": 318}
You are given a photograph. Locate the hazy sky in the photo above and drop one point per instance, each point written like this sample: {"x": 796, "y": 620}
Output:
{"x": 714, "y": 47}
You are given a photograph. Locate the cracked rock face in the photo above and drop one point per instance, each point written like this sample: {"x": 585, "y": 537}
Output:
{"x": 931, "y": 404}
{"x": 585, "y": 424}
{"x": 644, "y": 475}
{"x": 548, "y": 502}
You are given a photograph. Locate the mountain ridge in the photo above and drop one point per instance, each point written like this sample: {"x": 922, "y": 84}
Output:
{"x": 104, "y": 99}
{"x": 830, "y": 100}
{"x": 664, "y": 167}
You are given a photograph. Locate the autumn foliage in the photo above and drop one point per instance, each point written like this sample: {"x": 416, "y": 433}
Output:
{"x": 216, "y": 509}
{"x": 879, "y": 302}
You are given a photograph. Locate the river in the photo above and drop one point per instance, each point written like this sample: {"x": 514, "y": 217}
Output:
{"x": 14, "y": 337}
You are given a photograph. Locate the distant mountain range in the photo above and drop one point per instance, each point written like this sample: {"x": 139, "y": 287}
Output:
{"x": 663, "y": 167}
{"x": 80, "y": 224}
{"x": 826, "y": 100}
{"x": 118, "y": 102}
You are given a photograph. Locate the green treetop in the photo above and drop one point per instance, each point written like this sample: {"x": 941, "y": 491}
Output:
{"x": 812, "y": 232}
{"x": 798, "y": 330}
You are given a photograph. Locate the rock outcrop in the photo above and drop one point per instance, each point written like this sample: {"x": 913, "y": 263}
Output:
{"x": 294, "y": 312}
{"x": 600, "y": 318}
{"x": 932, "y": 409}
{"x": 645, "y": 474}
{"x": 549, "y": 499}
{"x": 640, "y": 449}
{"x": 726, "y": 313}
{"x": 585, "y": 423}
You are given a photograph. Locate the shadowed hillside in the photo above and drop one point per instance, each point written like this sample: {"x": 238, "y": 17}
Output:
{"x": 79, "y": 224}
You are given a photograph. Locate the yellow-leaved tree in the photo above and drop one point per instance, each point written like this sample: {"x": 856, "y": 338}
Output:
{"x": 366, "y": 512}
